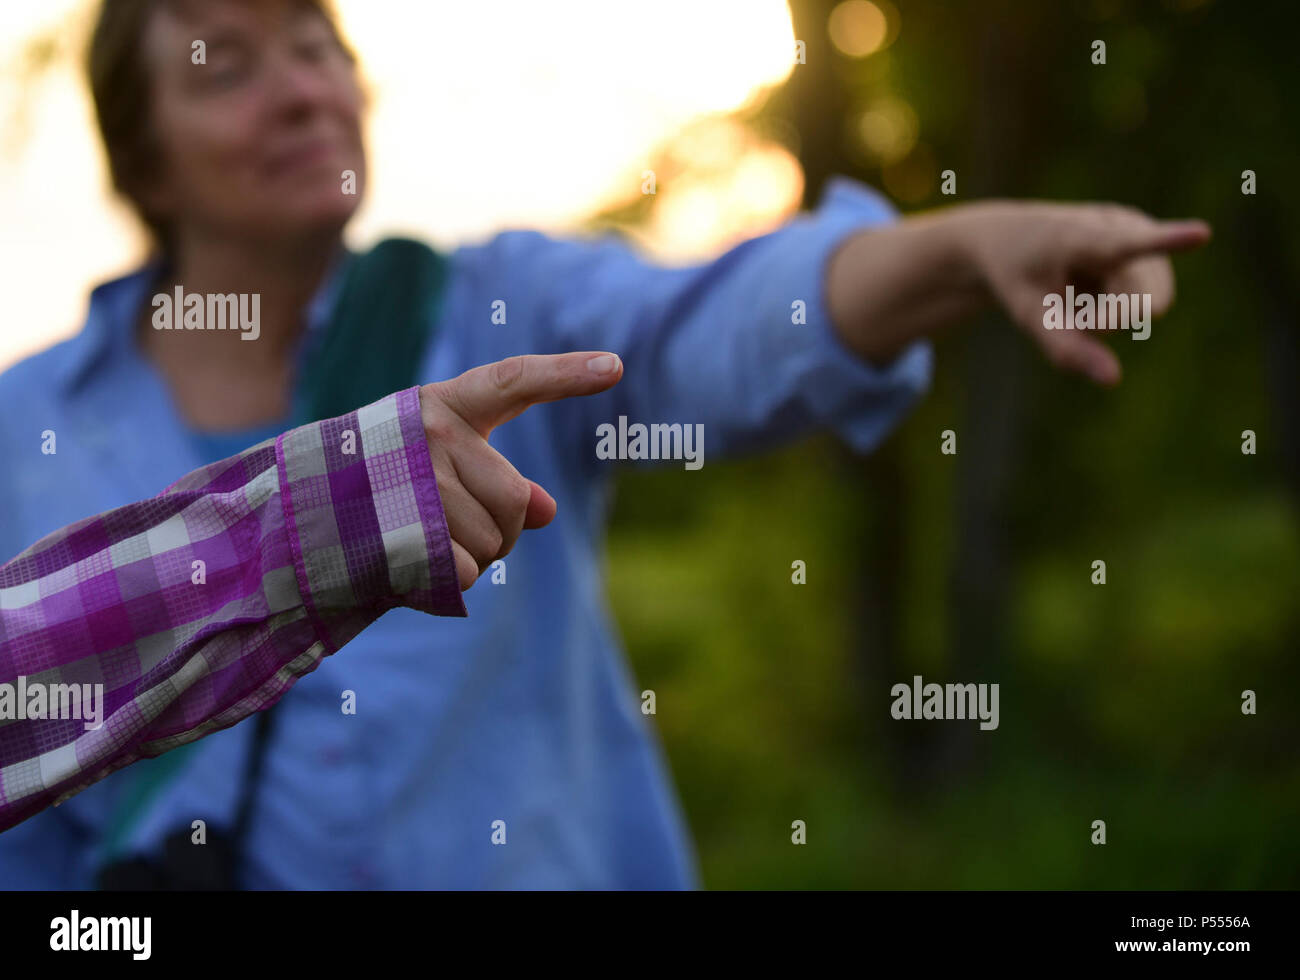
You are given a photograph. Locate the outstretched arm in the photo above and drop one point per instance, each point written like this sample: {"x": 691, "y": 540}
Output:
{"x": 823, "y": 323}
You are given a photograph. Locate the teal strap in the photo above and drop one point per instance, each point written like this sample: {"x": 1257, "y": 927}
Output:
{"x": 380, "y": 329}
{"x": 150, "y": 776}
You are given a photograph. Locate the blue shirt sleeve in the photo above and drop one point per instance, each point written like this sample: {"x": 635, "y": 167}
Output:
{"x": 717, "y": 343}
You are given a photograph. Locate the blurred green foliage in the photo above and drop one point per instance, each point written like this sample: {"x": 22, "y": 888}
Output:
{"x": 1119, "y": 702}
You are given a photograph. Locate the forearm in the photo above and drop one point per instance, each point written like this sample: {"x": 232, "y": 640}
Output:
{"x": 889, "y": 286}
{"x": 196, "y": 608}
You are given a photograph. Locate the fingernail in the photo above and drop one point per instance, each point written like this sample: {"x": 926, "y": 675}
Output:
{"x": 605, "y": 364}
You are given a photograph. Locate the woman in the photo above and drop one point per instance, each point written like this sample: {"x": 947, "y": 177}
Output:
{"x": 506, "y": 749}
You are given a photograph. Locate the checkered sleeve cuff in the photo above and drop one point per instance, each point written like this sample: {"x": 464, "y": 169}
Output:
{"x": 365, "y": 522}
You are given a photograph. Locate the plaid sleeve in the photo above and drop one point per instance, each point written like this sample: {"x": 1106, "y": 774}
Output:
{"x": 143, "y": 628}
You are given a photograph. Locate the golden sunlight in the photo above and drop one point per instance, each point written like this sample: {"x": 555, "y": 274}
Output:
{"x": 485, "y": 116}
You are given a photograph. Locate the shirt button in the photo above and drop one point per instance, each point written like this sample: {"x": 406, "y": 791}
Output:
{"x": 331, "y": 755}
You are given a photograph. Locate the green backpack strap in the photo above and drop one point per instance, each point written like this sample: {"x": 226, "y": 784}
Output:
{"x": 384, "y": 318}
{"x": 382, "y": 324}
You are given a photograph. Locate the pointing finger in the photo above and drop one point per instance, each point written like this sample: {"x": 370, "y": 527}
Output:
{"x": 491, "y": 395}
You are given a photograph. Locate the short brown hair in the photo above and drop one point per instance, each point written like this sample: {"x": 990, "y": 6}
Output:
{"x": 123, "y": 96}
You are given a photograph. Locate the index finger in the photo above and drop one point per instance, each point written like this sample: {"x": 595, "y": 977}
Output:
{"x": 491, "y": 395}
{"x": 1124, "y": 234}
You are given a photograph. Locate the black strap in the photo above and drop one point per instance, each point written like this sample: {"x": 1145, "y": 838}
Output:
{"x": 263, "y": 726}
{"x": 383, "y": 322}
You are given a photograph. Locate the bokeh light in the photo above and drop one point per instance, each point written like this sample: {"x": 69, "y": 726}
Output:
{"x": 858, "y": 28}
{"x": 887, "y": 129}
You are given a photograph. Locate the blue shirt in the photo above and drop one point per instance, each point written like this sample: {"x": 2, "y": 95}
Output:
{"x": 526, "y": 711}
{"x": 214, "y": 446}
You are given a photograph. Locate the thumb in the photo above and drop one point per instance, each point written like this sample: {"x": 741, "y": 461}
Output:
{"x": 492, "y": 394}
{"x": 541, "y": 508}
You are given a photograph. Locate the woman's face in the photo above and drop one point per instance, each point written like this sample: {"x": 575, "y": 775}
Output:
{"x": 254, "y": 143}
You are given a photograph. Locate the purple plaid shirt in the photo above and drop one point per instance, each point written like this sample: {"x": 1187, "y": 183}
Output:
{"x": 202, "y": 605}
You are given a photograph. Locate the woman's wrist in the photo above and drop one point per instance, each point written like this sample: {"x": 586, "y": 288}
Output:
{"x": 888, "y": 287}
